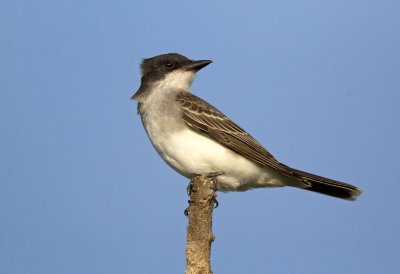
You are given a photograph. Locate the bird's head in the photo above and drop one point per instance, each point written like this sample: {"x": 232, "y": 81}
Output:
{"x": 170, "y": 70}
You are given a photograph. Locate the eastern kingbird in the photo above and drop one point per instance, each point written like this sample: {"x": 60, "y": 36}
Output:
{"x": 195, "y": 138}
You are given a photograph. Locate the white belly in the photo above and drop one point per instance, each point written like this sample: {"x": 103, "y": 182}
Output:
{"x": 191, "y": 153}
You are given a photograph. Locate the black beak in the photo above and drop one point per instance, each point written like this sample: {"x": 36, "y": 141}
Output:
{"x": 197, "y": 65}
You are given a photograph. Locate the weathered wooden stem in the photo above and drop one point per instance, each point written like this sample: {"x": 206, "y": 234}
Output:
{"x": 199, "y": 230}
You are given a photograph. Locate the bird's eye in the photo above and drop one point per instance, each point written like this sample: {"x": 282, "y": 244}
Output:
{"x": 169, "y": 65}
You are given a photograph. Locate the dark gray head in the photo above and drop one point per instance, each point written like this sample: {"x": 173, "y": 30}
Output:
{"x": 168, "y": 69}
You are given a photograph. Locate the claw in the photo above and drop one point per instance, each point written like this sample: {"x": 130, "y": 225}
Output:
{"x": 189, "y": 189}
{"x": 216, "y": 204}
{"x": 186, "y": 212}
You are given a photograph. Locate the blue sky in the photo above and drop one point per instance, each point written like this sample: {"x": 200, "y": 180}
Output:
{"x": 83, "y": 191}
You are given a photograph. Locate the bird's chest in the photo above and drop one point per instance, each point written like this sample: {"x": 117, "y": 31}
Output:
{"x": 183, "y": 149}
{"x": 161, "y": 120}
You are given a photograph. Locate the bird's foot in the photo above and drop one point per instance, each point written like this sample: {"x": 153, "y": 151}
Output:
{"x": 212, "y": 175}
{"x": 186, "y": 212}
{"x": 216, "y": 204}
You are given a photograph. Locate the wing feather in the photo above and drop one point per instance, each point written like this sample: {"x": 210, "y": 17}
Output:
{"x": 201, "y": 116}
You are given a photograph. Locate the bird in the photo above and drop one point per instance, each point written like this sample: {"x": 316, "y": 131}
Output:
{"x": 195, "y": 138}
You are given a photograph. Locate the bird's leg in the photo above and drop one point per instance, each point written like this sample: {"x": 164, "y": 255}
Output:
{"x": 186, "y": 212}
{"x": 211, "y": 175}
{"x": 189, "y": 190}
{"x": 214, "y": 175}
{"x": 216, "y": 204}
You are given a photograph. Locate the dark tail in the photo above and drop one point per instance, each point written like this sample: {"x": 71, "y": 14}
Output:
{"x": 328, "y": 186}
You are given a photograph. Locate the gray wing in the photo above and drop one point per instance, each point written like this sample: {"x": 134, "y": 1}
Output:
{"x": 203, "y": 117}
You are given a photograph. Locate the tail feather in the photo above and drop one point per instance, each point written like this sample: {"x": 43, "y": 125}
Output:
{"x": 328, "y": 186}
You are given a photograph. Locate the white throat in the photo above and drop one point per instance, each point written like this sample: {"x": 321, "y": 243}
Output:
{"x": 178, "y": 79}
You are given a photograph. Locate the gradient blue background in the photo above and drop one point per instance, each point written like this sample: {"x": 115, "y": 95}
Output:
{"x": 83, "y": 191}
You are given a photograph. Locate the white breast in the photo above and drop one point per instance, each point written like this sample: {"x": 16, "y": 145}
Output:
{"x": 190, "y": 153}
